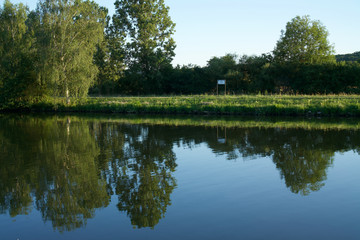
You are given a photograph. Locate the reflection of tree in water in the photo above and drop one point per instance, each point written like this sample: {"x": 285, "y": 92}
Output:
{"x": 69, "y": 168}
{"x": 303, "y": 172}
{"x": 75, "y": 190}
{"x": 141, "y": 173}
{"x": 302, "y": 165}
{"x": 302, "y": 156}
{"x": 47, "y": 161}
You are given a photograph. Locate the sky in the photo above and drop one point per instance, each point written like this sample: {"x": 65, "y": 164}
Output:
{"x": 213, "y": 28}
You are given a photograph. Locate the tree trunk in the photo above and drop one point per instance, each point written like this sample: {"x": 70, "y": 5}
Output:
{"x": 67, "y": 95}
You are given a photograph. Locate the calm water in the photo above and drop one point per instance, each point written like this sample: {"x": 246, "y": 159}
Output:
{"x": 78, "y": 177}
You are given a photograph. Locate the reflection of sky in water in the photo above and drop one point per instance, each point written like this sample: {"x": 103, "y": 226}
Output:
{"x": 227, "y": 199}
{"x": 217, "y": 198}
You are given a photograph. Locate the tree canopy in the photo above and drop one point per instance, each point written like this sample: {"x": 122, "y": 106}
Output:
{"x": 304, "y": 41}
{"x": 68, "y": 32}
{"x": 17, "y": 75}
{"x": 149, "y": 48}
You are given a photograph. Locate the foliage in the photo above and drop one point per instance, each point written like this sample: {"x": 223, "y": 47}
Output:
{"x": 109, "y": 58}
{"x": 316, "y": 78}
{"x": 67, "y": 33}
{"x": 223, "y": 68}
{"x": 304, "y": 41}
{"x": 187, "y": 80}
{"x": 261, "y": 105}
{"x": 65, "y": 47}
{"x": 352, "y": 57}
{"x": 17, "y": 73}
{"x": 147, "y": 29}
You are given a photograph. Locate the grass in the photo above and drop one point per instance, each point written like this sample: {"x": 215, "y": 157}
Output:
{"x": 259, "y": 105}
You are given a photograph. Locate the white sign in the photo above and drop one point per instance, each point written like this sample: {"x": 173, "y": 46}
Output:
{"x": 221, "y": 82}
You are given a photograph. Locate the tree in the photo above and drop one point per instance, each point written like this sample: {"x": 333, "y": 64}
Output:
{"x": 224, "y": 67}
{"x": 17, "y": 75}
{"x": 109, "y": 58}
{"x": 148, "y": 29}
{"x": 304, "y": 41}
{"x": 254, "y": 71}
{"x": 68, "y": 33}
{"x": 351, "y": 57}
{"x": 188, "y": 79}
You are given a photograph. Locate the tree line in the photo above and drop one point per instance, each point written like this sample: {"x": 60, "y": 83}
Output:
{"x": 351, "y": 57}
{"x": 72, "y": 48}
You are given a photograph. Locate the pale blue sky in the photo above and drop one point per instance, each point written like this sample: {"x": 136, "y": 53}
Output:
{"x": 207, "y": 28}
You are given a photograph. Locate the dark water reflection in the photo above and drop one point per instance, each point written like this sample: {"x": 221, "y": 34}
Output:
{"x": 68, "y": 167}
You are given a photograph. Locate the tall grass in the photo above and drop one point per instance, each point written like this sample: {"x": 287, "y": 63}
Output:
{"x": 261, "y": 105}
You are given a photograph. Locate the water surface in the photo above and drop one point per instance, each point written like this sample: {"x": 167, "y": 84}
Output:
{"x": 111, "y": 177}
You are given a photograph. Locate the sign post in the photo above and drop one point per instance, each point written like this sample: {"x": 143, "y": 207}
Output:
{"x": 220, "y": 82}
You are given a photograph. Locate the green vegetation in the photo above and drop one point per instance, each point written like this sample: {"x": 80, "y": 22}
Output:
{"x": 352, "y": 57}
{"x": 17, "y": 75}
{"x": 262, "y": 105}
{"x": 304, "y": 41}
{"x": 66, "y": 33}
{"x": 147, "y": 30}
{"x": 69, "y": 49}
{"x": 51, "y": 49}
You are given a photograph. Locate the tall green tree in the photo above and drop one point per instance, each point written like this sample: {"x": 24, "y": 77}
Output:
{"x": 17, "y": 76}
{"x": 148, "y": 29}
{"x": 304, "y": 41}
{"x": 109, "y": 58}
{"x": 68, "y": 33}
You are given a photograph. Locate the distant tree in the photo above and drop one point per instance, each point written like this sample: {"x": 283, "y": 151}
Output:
{"x": 188, "y": 79}
{"x": 304, "y": 41}
{"x": 67, "y": 35}
{"x": 220, "y": 66}
{"x": 148, "y": 30}
{"x": 224, "y": 67}
{"x": 255, "y": 72}
{"x": 352, "y": 57}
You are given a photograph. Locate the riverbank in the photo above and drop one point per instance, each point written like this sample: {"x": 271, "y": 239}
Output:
{"x": 258, "y": 105}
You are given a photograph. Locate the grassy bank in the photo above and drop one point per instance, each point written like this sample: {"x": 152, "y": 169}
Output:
{"x": 260, "y": 105}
